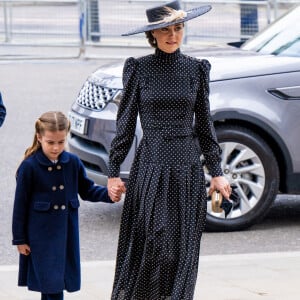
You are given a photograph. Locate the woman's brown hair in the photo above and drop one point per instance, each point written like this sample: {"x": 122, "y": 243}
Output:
{"x": 50, "y": 121}
{"x": 151, "y": 39}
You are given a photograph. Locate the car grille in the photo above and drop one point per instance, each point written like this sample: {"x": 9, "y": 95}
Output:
{"x": 94, "y": 96}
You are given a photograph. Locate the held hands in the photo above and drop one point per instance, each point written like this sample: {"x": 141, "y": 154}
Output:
{"x": 24, "y": 249}
{"x": 220, "y": 184}
{"x": 115, "y": 187}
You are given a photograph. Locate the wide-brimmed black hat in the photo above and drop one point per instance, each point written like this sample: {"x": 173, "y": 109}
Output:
{"x": 168, "y": 14}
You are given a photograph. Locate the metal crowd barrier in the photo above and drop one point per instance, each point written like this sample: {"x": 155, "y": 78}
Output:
{"x": 40, "y": 24}
{"x": 229, "y": 20}
{"x": 78, "y": 24}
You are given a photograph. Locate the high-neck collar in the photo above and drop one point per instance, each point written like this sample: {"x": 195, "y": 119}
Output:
{"x": 167, "y": 57}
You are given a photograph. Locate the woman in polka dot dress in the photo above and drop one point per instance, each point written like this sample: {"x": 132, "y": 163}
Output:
{"x": 165, "y": 205}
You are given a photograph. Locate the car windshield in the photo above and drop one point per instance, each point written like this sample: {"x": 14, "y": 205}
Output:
{"x": 280, "y": 38}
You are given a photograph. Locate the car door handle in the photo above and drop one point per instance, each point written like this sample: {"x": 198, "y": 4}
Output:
{"x": 286, "y": 93}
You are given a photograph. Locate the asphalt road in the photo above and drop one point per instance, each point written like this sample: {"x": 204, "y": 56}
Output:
{"x": 30, "y": 88}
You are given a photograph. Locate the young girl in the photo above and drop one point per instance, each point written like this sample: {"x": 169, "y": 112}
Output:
{"x": 45, "y": 215}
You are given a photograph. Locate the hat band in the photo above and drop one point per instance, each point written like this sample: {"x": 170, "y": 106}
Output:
{"x": 172, "y": 16}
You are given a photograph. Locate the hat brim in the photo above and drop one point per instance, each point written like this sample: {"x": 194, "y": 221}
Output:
{"x": 190, "y": 14}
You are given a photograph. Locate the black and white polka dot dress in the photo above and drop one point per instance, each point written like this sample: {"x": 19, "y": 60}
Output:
{"x": 165, "y": 206}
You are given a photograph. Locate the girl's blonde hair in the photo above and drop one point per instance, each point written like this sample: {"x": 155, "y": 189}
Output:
{"x": 48, "y": 121}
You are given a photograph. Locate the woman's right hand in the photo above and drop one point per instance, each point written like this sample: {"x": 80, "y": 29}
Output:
{"x": 115, "y": 188}
{"x": 24, "y": 249}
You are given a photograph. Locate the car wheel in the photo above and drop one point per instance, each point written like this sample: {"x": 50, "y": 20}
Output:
{"x": 251, "y": 167}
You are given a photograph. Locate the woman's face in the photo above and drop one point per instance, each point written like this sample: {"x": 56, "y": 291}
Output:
{"x": 53, "y": 143}
{"x": 169, "y": 38}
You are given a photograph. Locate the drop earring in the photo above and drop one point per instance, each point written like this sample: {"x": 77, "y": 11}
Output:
{"x": 154, "y": 41}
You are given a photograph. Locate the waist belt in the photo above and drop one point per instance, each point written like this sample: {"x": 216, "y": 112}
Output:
{"x": 168, "y": 132}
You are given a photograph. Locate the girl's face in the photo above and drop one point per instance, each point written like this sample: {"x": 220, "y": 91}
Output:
{"x": 169, "y": 38}
{"x": 53, "y": 143}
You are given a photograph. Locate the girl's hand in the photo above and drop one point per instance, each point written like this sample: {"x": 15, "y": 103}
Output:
{"x": 115, "y": 187}
{"x": 24, "y": 249}
{"x": 220, "y": 184}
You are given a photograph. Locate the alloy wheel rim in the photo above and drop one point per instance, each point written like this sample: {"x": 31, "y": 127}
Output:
{"x": 243, "y": 169}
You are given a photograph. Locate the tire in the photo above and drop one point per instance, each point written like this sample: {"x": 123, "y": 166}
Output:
{"x": 250, "y": 165}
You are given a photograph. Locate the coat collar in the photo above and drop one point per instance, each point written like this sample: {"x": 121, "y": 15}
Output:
{"x": 44, "y": 160}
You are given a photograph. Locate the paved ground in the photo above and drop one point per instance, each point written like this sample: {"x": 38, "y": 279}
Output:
{"x": 266, "y": 276}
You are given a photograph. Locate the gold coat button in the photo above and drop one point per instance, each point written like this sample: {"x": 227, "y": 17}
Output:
{"x": 49, "y": 169}
{"x": 55, "y": 207}
{"x": 54, "y": 188}
{"x": 63, "y": 207}
{"x": 58, "y": 167}
{"x": 61, "y": 187}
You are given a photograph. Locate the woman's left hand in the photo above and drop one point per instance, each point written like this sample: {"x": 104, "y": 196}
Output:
{"x": 220, "y": 184}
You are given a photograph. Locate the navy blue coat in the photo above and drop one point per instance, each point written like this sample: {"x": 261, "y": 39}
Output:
{"x": 45, "y": 217}
{"x": 2, "y": 111}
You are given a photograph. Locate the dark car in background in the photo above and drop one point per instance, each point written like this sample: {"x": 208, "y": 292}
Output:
{"x": 255, "y": 105}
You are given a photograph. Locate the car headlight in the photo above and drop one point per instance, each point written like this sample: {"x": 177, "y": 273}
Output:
{"x": 94, "y": 96}
{"x": 117, "y": 98}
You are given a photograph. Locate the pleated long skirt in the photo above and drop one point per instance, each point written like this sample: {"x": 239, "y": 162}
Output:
{"x": 162, "y": 221}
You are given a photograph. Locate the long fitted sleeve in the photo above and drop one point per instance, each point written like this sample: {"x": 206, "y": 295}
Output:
{"x": 88, "y": 190}
{"x": 22, "y": 204}
{"x": 126, "y": 118}
{"x": 204, "y": 125}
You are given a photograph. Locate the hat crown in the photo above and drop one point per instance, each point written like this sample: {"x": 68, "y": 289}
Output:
{"x": 159, "y": 12}
{"x": 167, "y": 15}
